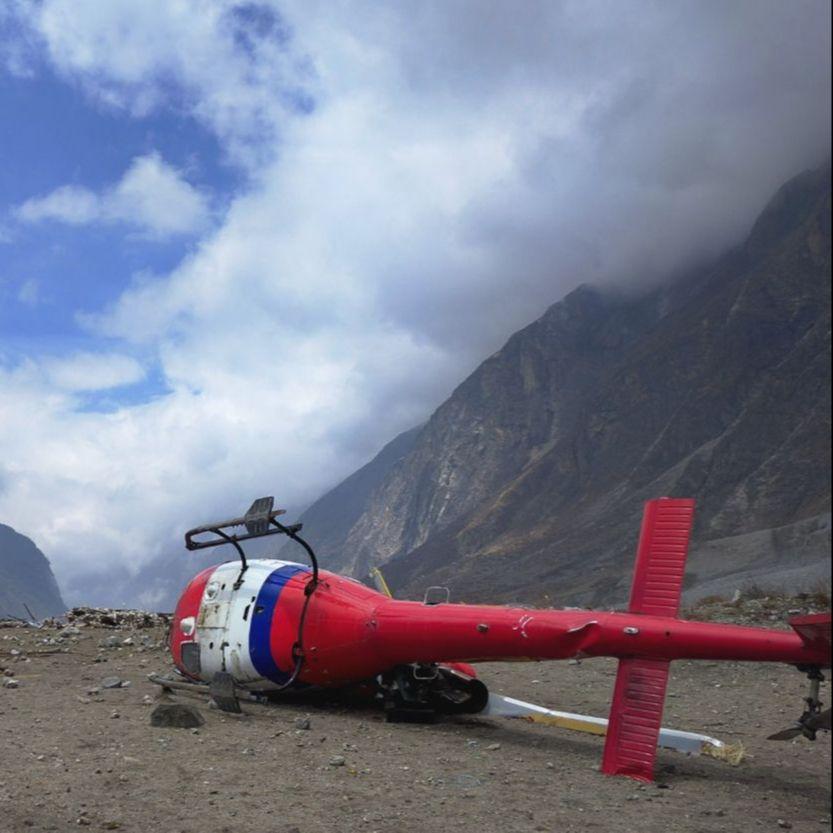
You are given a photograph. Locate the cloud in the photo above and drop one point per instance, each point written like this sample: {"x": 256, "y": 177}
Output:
{"x": 92, "y": 371}
{"x": 230, "y": 65}
{"x": 463, "y": 166}
{"x": 29, "y": 292}
{"x": 151, "y": 196}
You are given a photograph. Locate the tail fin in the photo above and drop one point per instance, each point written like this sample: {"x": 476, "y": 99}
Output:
{"x": 635, "y": 718}
{"x": 639, "y": 695}
{"x": 660, "y": 557}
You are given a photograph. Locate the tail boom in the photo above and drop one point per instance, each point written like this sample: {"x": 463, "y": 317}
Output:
{"x": 412, "y": 632}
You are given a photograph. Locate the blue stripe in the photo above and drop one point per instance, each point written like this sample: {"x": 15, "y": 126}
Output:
{"x": 261, "y": 626}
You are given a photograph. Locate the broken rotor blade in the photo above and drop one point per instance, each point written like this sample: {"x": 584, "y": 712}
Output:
{"x": 691, "y": 743}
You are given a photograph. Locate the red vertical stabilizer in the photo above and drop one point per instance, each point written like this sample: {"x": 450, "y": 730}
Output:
{"x": 639, "y": 694}
{"x": 635, "y": 718}
{"x": 660, "y": 558}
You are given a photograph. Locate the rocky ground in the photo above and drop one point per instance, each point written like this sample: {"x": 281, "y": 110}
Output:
{"x": 78, "y": 753}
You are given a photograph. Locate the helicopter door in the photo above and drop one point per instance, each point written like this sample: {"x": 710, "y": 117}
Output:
{"x": 213, "y": 619}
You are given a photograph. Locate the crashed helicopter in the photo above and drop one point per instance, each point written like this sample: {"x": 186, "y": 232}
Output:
{"x": 259, "y": 627}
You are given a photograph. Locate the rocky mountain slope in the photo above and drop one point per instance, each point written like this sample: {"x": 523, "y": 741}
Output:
{"x": 330, "y": 519}
{"x": 528, "y": 482}
{"x": 26, "y": 579}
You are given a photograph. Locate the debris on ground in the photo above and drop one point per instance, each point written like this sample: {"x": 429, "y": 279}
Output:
{"x": 104, "y": 617}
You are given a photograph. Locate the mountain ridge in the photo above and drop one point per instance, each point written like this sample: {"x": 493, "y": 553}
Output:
{"x": 528, "y": 480}
{"x": 26, "y": 579}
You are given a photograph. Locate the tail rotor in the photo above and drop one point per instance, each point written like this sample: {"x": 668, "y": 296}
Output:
{"x": 812, "y": 718}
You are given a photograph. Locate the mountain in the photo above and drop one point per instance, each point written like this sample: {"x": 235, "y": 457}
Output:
{"x": 26, "y": 579}
{"x": 527, "y": 483}
{"x": 332, "y": 516}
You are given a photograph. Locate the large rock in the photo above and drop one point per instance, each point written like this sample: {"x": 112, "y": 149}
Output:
{"x": 176, "y": 716}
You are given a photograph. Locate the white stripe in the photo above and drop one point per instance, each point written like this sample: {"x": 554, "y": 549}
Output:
{"x": 225, "y": 619}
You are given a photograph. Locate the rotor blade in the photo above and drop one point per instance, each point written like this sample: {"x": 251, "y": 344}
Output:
{"x": 379, "y": 581}
{"x": 789, "y": 733}
{"x": 813, "y": 723}
{"x": 691, "y": 743}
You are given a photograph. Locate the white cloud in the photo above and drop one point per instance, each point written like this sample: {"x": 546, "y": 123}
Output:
{"x": 151, "y": 196}
{"x": 29, "y": 292}
{"x": 67, "y": 204}
{"x": 227, "y": 63}
{"x": 92, "y": 371}
{"x": 465, "y": 165}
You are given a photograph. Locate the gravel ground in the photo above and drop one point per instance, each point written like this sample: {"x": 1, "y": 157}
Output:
{"x": 74, "y": 754}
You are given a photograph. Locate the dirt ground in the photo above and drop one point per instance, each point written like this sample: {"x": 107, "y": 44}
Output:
{"x": 72, "y": 756}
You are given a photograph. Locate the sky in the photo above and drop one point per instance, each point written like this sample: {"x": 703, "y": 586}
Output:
{"x": 245, "y": 244}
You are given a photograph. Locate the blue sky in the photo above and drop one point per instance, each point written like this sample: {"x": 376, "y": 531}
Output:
{"x": 242, "y": 245}
{"x": 55, "y": 135}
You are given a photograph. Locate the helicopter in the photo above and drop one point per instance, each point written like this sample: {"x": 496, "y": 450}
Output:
{"x": 256, "y": 628}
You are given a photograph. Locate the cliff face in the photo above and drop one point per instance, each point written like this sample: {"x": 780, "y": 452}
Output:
{"x": 26, "y": 579}
{"x": 528, "y": 482}
{"x": 330, "y": 519}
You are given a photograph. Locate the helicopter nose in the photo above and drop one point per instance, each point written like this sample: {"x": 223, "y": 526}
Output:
{"x": 184, "y": 625}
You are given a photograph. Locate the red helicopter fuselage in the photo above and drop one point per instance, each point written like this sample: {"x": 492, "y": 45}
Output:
{"x": 353, "y": 633}
{"x": 271, "y": 624}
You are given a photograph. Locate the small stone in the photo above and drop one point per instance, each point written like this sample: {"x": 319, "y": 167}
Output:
{"x": 114, "y": 715}
{"x": 176, "y": 716}
{"x": 303, "y": 723}
{"x": 112, "y": 682}
{"x": 493, "y": 747}
{"x": 338, "y": 760}
{"x": 10, "y": 682}
{"x": 784, "y": 825}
